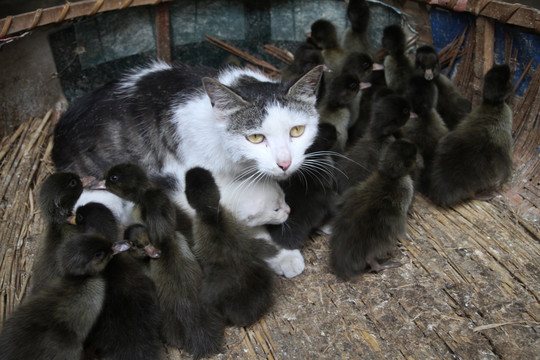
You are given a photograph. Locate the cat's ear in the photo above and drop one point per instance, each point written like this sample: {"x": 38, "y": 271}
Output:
{"x": 224, "y": 101}
{"x": 305, "y": 89}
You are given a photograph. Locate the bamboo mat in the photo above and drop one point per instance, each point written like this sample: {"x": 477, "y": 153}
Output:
{"x": 469, "y": 286}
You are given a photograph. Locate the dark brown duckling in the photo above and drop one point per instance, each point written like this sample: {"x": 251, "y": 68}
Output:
{"x": 324, "y": 35}
{"x": 475, "y": 159}
{"x": 356, "y": 37}
{"x": 335, "y": 108}
{"x": 187, "y": 322}
{"x": 389, "y": 113}
{"x": 306, "y": 57}
{"x": 451, "y": 105}
{"x": 238, "y": 282}
{"x": 376, "y": 83}
{"x": 128, "y": 327}
{"x": 397, "y": 65}
{"x": 57, "y": 196}
{"x": 425, "y": 127}
{"x": 373, "y": 215}
{"x": 53, "y": 323}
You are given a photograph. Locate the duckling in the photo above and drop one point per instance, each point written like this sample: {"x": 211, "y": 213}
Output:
{"x": 361, "y": 66}
{"x": 397, "y": 66}
{"x": 451, "y": 105}
{"x": 324, "y": 35}
{"x": 131, "y": 186}
{"x": 187, "y": 322}
{"x": 356, "y": 37}
{"x": 376, "y": 82}
{"x": 238, "y": 282}
{"x": 389, "y": 113}
{"x": 57, "y": 196}
{"x": 335, "y": 107}
{"x": 475, "y": 159}
{"x": 306, "y": 57}
{"x": 373, "y": 214}
{"x": 53, "y": 323}
{"x": 128, "y": 327}
{"x": 425, "y": 127}
{"x": 141, "y": 247}
{"x": 309, "y": 193}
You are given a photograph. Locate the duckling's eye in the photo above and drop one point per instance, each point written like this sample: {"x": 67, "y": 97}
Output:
{"x": 99, "y": 254}
{"x": 255, "y": 138}
{"x": 297, "y": 131}
{"x": 72, "y": 183}
{"x": 366, "y": 65}
{"x": 114, "y": 178}
{"x": 353, "y": 85}
{"x": 406, "y": 111}
{"x": 79, "y": 219}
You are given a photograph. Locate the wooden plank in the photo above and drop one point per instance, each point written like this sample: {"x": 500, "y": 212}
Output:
{"x": 71, "y": 10}
{"x": 512, "y": 14}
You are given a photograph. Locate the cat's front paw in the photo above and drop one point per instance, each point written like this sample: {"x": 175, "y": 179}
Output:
{"x": 289, "y": 263}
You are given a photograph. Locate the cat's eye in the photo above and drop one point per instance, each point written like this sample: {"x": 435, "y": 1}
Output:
{"x": 255, "y": 138}
{"x": 297, "y": 131}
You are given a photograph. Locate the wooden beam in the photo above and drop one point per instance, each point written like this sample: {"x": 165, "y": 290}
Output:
{"x": 163, "y": 32}
{"x": 28, "y": 21}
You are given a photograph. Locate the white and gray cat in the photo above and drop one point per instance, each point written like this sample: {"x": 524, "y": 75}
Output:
{"x": 237, "y": 123}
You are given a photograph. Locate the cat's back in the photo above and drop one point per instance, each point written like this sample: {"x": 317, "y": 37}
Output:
{"x": 118, "y": 113}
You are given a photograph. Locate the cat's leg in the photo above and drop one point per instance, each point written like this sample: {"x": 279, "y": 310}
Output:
{"x": 122, "y": 209}
{"x": 286, "y": 262}
{"x": 289, "y": 263}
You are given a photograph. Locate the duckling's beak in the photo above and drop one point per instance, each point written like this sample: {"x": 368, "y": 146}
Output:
{"x": 71, "y": 220}
{"x": 365, "y": 85}
{"x": 428, "y": 74}
{"x": 377, "y": 67}
{"x": 152, "y": 252}
{"x": 120, "y": 246}
{"x": 413, "y": 115}
{"x": 99, "y": 186}
{"x": 87, "y": 180}
{"x": 308, "y": 35}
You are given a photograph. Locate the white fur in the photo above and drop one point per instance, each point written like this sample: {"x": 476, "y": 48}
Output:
{"x": 129, "y": 82}
{"x": 255, "y": 204}
{"x": 121, "y": 209}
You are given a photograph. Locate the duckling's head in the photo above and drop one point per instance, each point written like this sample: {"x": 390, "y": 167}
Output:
{"x": 427, "y": 62}
{"x": 127, "y": 181}
{"x": 497, "y": 84}
{"x": 58, "y": 194}
{"x": 324, "y": 34}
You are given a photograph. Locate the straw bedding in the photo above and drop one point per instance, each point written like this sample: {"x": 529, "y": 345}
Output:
{"x": 469, "y": 285}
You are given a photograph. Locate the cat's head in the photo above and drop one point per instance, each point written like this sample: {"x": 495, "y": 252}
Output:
{"x": 258, "y": 204}
{"x": 266, "y": 126}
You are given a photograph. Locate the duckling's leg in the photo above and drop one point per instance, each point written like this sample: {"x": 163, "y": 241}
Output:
{"x": 378, "y": 267}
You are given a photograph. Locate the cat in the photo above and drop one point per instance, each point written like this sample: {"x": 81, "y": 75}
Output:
{"x": 237, "y": 123}
{"x": 256, "y": 204}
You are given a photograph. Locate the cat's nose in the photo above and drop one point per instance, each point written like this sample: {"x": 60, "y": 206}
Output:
{"x": 284, "y": 165}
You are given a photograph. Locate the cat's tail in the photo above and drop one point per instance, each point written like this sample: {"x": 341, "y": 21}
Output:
{"x": 202, "y": 193}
